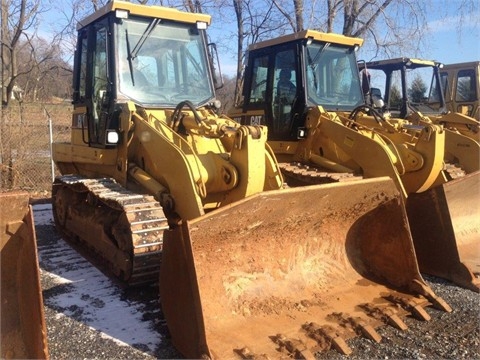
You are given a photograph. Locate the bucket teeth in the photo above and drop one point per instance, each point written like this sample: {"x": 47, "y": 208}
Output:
{"x": 436, "y": 301}
{"x": 387, "y": 315}
{"x": 295, "y": 348}
{"x": 246, "y": 353}
{"x": 439, "y": 303}
{"x": 419, "y": 312}
{"x": 326, "y": 337}
{"x": 357, "y": 325}
{"x": 416, "y": 309}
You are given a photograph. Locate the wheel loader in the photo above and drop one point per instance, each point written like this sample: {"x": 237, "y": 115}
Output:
{"x": 323, "y": 130}
{"x": 23, "y": 330}
{"x": 156, "y": 185}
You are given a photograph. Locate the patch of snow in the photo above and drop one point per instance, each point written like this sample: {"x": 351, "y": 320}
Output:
{"x": 82, "y": 292}
{"x": 43, "y": 214}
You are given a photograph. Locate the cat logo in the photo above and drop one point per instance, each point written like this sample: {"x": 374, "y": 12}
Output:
{"x": 256, "y": 119}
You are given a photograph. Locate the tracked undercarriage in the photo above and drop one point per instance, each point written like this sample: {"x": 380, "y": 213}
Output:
{"x": 298, "y": 174}
{"x": 122, "y": 229}
{"x": 454, "y": 171}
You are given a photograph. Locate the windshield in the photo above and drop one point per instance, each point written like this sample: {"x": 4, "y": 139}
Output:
{"x": 332, "y": 77}
{"x": 162, "y": 63}
{"x": 423, "y": 90}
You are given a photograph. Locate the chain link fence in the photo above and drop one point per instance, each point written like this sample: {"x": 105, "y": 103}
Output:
{"x": 26, "y": 134}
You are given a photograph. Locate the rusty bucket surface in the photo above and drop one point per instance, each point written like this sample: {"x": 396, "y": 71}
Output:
{"x": 288, "y": 270}
{"x": 445, "y": 225}
{"x": 23, "y": 330}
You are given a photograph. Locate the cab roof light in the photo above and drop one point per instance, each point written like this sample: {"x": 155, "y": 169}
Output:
{"x": 201, "y": 25}
{"x": 121, "y": 14}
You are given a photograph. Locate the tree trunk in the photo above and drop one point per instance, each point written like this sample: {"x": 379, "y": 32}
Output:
{"x": 238, "y": 6}
{"x": 298, "y": 14}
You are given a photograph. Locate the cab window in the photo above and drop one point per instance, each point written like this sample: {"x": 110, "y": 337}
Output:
{"x": 466, "y": 90}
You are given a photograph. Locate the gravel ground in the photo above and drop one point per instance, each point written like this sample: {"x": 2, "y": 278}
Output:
{"x": 89, "y": 316}
{"x": 454, "y": 335}
{"x": 71, "y": 334}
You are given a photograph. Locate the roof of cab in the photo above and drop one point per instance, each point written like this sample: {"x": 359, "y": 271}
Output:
{"x": 398, "y": 63}
{"x": 306, "y": 34}
{"x": 147, "y": 11}
{"x": 463, "y": 65}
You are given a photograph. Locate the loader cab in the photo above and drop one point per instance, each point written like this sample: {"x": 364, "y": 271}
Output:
{"x": 462, "y": 87}
{"x": 155, "y": 59}
{"x": 405, "y": 85}
{"x": 286, "y": 76}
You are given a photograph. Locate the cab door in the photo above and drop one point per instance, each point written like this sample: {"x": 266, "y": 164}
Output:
{"x": 264, "y": 93}
{"x": 466, "y": 92}
{"x": 92, "y": 87}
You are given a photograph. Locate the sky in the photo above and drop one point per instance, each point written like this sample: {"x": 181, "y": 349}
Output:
{"x": 448, "y": 46}
{"x": 445, "y": 43}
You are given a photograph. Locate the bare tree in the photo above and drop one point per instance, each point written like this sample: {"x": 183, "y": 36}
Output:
{"x": 43, "y": 73}
{"x": 256, "y": 21}
{"x": 225, "y": 94}
{"x": 389, "y": 27}
{"x": 238, "y": 7}
{"x": 18, "y": 17}
{"x": 193, "y": 6}
{"x": 295, "y": 22}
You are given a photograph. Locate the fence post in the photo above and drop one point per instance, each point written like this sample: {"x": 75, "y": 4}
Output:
{"x": 50, "y": 136}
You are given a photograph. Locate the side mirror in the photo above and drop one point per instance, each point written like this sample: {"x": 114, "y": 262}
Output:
{"x": 378, "y": 102}
{"x": 377, "y": 99}
{"x": 104, "y": 99}
{"x": 215, "y": 66}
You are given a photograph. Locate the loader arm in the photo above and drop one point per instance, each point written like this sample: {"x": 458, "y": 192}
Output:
{"x": 423, "y": 158}
{"x": 463, "y": 150}
{"x": 197, "y": 169}
{"x": 370, "y": 154}
{"x": 420, "y": 149}
{"x": 169, "y": 160}
{"x": 461, "y": 123}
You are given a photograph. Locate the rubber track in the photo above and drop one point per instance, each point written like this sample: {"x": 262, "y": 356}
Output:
{"x": 311, "y": 175}
{"x": 454, "y": 171}
{"x": 141, "y": 221}
{"x": 306, "y": 174}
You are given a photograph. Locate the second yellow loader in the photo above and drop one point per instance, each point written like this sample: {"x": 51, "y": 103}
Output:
{"x": 444, "y": 220}
{"x": 306, "y": 88}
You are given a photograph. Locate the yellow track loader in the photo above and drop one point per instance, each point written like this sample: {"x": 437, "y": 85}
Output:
{"x": 23, "y": 330}
{"x": 414, "y": 90}
{"x": 157, "y": 185}
{"x": 306, "y": 88}
{"x": 451, "y": 225}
